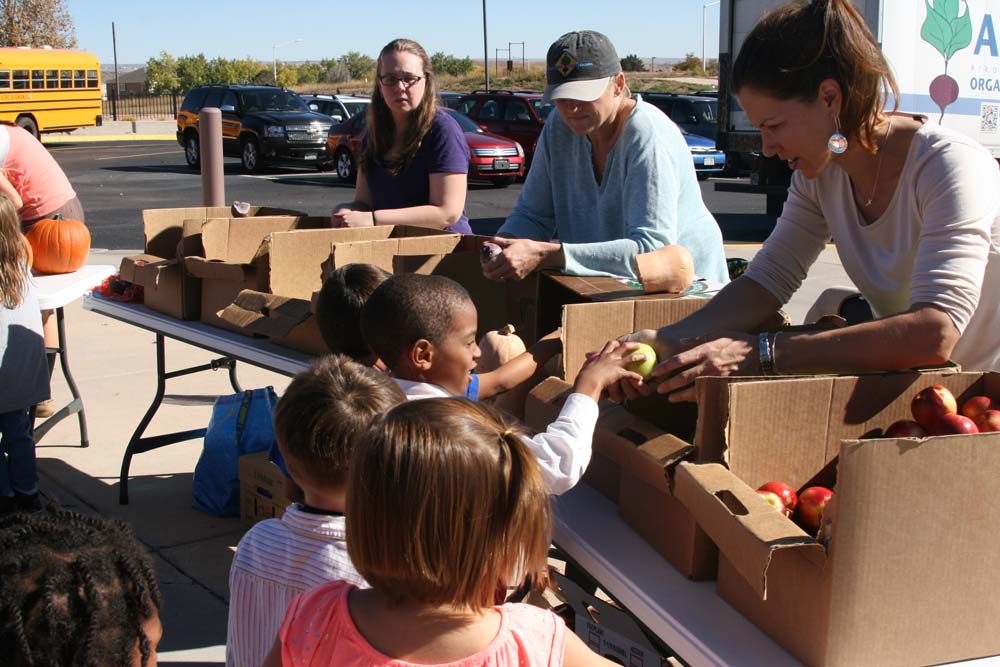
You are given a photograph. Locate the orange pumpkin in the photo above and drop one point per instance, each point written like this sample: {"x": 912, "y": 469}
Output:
{"x": 60, "y": 246}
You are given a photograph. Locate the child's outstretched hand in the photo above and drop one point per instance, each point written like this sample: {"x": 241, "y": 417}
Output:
{"x": 607, "y": 367}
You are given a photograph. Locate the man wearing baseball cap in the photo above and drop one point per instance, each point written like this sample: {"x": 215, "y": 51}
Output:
{"x": 611, "y": 177}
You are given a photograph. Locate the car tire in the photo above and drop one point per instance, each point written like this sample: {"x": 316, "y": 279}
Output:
{"x": 502, "y": 181}
{"x": 344, "y": 164}
{"x": 192, "y": 150}
{"x": 250, "y": 155}
{"x": 28, "y": 123}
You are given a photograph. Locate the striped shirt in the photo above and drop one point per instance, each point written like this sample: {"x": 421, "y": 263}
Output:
{"x": 275, "y": 561}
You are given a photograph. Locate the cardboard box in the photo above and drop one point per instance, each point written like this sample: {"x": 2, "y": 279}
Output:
{"x": 381, "y": 252}
{"x": 285, "y": 320}
{"x": 225, "y": 254}
{"x": 160, "y": 268}
{"x": 910, "y": 575}
{"x": 262, "y": 489}
{"x": 556, "y": 290}
{"x": 498, "y": 304}
{"x": 607, "y": 630}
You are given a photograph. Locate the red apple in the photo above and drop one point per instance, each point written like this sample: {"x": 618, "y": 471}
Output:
{"x": 783, "y": 491}
{"x": 812, "y": 501}
{"x": 976, "y": 406}
{"x": 905, "y": 428}
{"x": 931, "y": 403}
{"x": 774, "y": 501}
{"x": 988, "y": 421}
{"x": 954, "y": 425}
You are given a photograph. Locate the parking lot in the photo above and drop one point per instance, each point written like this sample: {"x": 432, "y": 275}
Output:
{"x": 116, "y": 180}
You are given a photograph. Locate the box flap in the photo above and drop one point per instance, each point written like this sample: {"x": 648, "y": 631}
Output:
{"x": 144, "y": 269}
{"x": 200, "y": 267}
{"x": 916, "y": 524}
{"x": 639, "y": 447}
{"x": 265, "y": 314}
{"x": 745, "y": 528}
{"x": 380, "y": 253}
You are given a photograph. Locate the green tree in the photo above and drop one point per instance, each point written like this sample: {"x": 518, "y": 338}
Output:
{"x": 448, "y": 64}
{"x": 633, "y": 63}
{"x": 192, "y": 71}
{"x": 691, "y": 63}
{"x": 161, "y": 74}
{"x": 358, "y": 64}
{"x": 310, "y": 73}
{"x": 288, "y": 75}
{"x": 36, "y": 23}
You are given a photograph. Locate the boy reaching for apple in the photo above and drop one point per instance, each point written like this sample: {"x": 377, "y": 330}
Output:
{"x": 424, "y": 330}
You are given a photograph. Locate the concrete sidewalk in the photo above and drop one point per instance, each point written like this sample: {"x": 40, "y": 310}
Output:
{"x": 118, "y": 130}
{"x": 114, "y": 366}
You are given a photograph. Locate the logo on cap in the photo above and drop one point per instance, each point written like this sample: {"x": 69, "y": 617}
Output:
{"x": 566, "y": 63}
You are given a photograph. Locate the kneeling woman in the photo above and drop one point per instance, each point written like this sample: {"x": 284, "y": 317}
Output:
{"x": 415, "y": 163}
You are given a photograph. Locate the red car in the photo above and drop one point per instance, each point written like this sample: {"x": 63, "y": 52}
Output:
{"x": 518, "y": 116}
{"x": 491, "y": 157}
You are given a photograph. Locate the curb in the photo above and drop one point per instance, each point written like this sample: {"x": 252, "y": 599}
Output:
{"x": 48, "y": 139}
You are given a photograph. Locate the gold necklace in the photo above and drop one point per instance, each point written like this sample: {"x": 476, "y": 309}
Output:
{"x": 878, "y": 166}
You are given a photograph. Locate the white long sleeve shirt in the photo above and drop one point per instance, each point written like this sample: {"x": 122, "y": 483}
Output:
{"x": 938, "y": 242}
{"x": 562, "y": 451}
{"x": 276, "y": 560}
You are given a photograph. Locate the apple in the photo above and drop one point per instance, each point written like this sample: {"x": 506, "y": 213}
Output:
{"x": 774, "y": 501}
{"x": 931, "y": 403}
{"x": 954, "y": 425}
{"x": 988, "y": 421}
{"x": 787, "y": 494}
{"x": 905, "y": 428}
{"x": 644, "y": 366}
{"x": 976, "y": 406}
{"x": 812, "y": 502}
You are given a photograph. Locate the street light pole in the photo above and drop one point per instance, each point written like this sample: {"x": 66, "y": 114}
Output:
{"x": 704, "y": 12}
{"x": 274, "y": 56}
{"x": 486, "y": 53}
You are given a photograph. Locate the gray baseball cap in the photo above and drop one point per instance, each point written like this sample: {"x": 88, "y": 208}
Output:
{"x": 579, "y": 65}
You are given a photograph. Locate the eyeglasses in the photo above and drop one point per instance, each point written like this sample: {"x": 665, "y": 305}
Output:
{"x": 391, "y": 80}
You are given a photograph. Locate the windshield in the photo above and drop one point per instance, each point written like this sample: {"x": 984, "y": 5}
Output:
{"x": 272, "y": 100}
{"x": 542, "y": 109}
{"x": 464, "y": 122}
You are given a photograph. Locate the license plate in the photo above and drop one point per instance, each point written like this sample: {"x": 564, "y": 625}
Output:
{"x": 309, "y": 156}
{"x": 304, "y": 136}
{"x": 501, "y": 164}
{"x": 709, "y": 162}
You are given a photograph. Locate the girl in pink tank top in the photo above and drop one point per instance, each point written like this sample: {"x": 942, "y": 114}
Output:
{"x": 445, "y": 504}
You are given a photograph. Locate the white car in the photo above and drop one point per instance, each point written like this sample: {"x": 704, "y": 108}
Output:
{"x": 338, "y": 107}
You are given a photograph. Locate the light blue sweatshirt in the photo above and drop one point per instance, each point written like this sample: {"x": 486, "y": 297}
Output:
{"x": 649, "y": 198}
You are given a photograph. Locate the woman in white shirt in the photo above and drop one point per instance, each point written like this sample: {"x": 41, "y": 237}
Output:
{"x": 914, "y": 210}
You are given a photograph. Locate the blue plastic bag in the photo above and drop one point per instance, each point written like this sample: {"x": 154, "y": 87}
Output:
{"x": 240, "y": 424}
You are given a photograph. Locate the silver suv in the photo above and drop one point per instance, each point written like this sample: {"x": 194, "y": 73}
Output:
{"x": 337, "y": 107}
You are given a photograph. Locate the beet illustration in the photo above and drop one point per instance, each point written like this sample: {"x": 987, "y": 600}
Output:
{"x": 948, "y": 31}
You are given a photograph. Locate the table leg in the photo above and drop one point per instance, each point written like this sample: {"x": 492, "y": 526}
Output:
{"x": 75, "y": 406}
{"x": 137, "y": 444}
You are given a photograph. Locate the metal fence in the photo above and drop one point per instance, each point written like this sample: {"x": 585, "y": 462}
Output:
{"x": 141, "y": 107}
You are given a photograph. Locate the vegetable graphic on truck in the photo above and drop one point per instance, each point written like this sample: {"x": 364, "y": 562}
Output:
{"x": 948, "y": 32}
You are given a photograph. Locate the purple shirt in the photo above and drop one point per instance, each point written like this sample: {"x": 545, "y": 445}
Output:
{"x": 443, "y": 151}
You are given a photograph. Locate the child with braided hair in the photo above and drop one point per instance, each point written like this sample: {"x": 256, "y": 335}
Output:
{"x": 75, "y": 590}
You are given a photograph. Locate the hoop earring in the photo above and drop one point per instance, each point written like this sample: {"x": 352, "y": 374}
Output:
{"x": 837, "y": 142}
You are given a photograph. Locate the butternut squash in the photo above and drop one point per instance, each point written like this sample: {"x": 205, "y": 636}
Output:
{"x": 667, "y": 269}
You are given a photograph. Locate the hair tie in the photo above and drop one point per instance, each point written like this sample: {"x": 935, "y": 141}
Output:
{"x": 507, "y": 433}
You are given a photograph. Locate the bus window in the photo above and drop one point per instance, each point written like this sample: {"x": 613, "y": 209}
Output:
{"x": 37, "y": 79}
{"x": 20, "y": 79}
{"x": 51, "y": 78}
{"x": 65, "y": 78}
{"x": 79, "y": 78}
{"x": 91, "y": 78}
{"x": 4, "y": 79}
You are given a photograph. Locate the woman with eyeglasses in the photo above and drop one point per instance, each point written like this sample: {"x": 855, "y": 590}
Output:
{"x": 415, "y": 162}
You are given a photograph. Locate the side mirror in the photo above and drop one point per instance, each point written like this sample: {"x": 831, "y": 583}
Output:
{"x": 227, "y": 108}
{"x": 337, "y": 117}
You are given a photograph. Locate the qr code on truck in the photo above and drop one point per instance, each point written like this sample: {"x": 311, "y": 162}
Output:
{"x": 989, "y": 115}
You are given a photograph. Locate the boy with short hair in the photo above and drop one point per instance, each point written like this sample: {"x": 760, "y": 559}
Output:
{"x": 424, "y": 330}
{"x": 338, "y": 309}
{"x": 316, "y": 423}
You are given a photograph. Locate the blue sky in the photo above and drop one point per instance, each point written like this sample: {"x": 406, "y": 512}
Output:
{"x": 230, "y": 29}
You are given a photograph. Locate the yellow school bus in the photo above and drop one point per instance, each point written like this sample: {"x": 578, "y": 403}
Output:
{"x": 49, "y": 90}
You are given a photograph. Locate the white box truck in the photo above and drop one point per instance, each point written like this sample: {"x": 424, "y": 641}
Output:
{"x": 945, "y": 55}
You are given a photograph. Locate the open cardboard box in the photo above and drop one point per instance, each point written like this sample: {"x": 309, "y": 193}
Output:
{"x": 910, "y": 576}
{"x": 381, "y": 252}
{"x": 225, "y": 254}
{"x": 498, "y": 304}
{"x": 159, "y": 269}
{"x": 285, "y": 320}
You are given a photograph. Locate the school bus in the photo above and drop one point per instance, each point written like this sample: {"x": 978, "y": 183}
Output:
{"x": 49, "y": 90}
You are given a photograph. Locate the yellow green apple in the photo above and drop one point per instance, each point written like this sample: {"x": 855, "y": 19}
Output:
{"x": 646, "y": 365}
